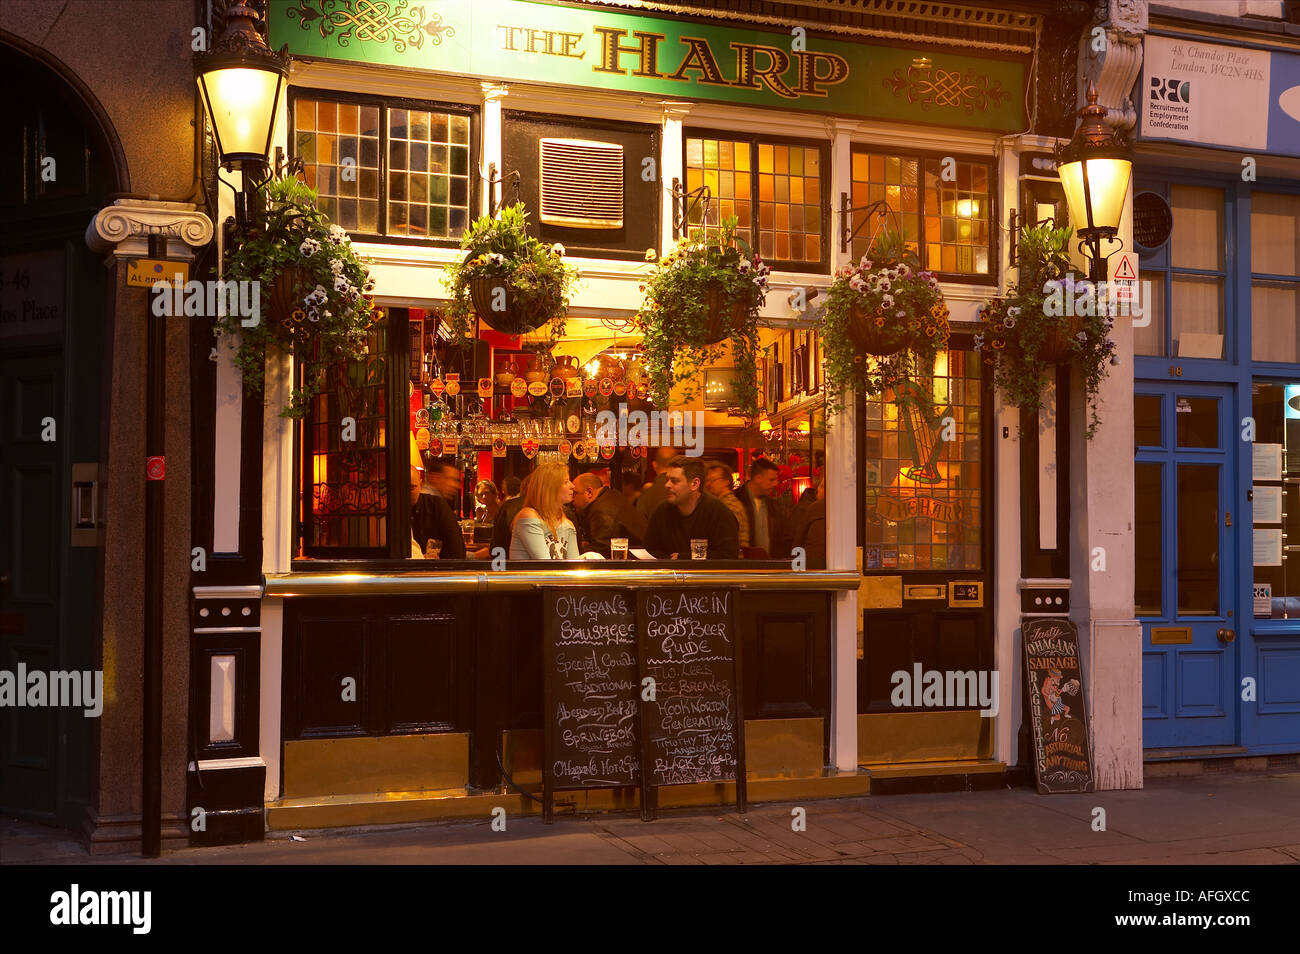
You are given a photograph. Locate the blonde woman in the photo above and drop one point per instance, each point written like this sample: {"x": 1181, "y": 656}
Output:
{"x": 542, "y": 531}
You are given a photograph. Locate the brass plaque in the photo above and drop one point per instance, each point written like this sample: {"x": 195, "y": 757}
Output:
{"x": 966, "y": 593}
{"x": 1171, "y": 634}
{"x": 880, "y": 592}
{"x": 923, "y": 591}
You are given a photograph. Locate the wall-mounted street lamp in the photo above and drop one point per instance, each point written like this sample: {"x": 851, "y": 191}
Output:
{"x": 1095, "y": 170}
{"x": 241, "y": 80}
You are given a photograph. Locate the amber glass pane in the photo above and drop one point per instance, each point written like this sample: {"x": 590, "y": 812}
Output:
{"x": 922, "y": 499}
{"x": 721, "y": 166}
{"x": 337, "y": 152}
{"x": 429, "y": 179}
{"x": 963, "y": 208}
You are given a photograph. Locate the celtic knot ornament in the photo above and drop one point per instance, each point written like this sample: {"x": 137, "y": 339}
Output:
{"x": 372, "y": 21}
{"x": 931, "y": 86}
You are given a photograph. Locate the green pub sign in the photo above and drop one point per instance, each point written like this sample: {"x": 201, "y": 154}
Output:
{"x": 535, "y": 42}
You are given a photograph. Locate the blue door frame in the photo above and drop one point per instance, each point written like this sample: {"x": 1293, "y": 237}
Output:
{"x": 1266, "y": 652}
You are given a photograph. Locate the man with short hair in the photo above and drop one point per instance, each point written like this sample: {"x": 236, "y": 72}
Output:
{"x": 767, "y": 529}
{"x": 447, "y": 479}
{"x": 511, "y": 485}
{"x": 502, "y": 526}
{"x": 689, "y": 514}
{"x": 718, "y": 482}
{"x": 432, "y": 519}
{"x": 604, "y": 514}
{"x": 653, "y": 495}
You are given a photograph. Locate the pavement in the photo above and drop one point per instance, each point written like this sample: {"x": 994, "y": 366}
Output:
{"x": 1235, "y": 819}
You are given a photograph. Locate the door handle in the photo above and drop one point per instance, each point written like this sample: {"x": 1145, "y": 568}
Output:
{"x": 1226, "y": 635}
{"x": 1227, "y": 518}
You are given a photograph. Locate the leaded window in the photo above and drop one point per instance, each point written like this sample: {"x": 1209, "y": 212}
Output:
{"x": 387, "y": 169}
{"x": 777, "y": 189}
{"x": 943, "y": 206}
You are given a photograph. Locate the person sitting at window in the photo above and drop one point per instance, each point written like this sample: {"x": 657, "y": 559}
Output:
{"x": 432, "y": 519}
{"x": 488, "y": 502}
{"x": 603, "y": 514}
{"x": 542, "y": 531}
{"x": 690, "y": 514}
{"x": 503, "y": 526}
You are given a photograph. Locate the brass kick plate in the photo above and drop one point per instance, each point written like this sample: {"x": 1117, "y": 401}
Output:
{"x": 966, "y": 593}
{"x": 881, "y": 592}
{"x": 1171, "y": 634}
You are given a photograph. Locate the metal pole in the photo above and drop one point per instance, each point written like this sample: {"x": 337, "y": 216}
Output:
{"x": 155, "y": 470}
{"x": 1096, "y": 264}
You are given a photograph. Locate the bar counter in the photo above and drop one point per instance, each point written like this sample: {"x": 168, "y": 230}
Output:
{"x": 458, "y": 651}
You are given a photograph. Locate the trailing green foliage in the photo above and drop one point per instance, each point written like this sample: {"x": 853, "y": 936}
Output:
{"x": 329, "y": 316}
{"x": 533, "y": 278}
{"x": 707, "y": 282}
{"x": 888, "y": 298}
{"x": 1019, "y": 331}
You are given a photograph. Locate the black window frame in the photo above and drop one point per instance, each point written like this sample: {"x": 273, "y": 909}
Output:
{"x": 921, "y": 155}
{"x": 822, "y": 267}
{"x": 385, "y": 103}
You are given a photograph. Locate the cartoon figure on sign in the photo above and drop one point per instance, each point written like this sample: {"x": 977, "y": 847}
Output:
{"x": 1054, "y": 693}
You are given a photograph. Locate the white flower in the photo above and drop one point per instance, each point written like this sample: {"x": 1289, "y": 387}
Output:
{"x": 309, "y": 246}
{"x": 313, "y": 314}
{"x": 370, "y": 284}
{"x": 887, "y": 301}
{"x": 336, "y": 265}
{"x": 557, "y": 248}
{"x": 884, "y": 284}
{"x": 496, "y": 258}
{"x": 865, "y": 263}
{"x": 1013, "y": 311}
{"x": 338, "y": 235}
{"x": 1009, "y": 321}
{"x": 341, "y": 284}
{"x": 856, "y": 283}
{"x": 900, "y": 314}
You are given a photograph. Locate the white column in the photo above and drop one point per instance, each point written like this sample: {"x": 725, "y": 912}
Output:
{"x": 671, "y": 166}
{"x": 279, "y": 499}
{"x": 1006, "y": 530}
{"x": 493, "y": 93}
{"x": 1102, "y": 563}
{"x": 842, "y": 517}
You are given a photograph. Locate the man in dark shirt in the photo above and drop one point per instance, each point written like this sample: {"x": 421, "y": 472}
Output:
{"x": 653, "y": 494}
{"x": 690, "y": 514}
{"x": 603, "y": 514}
{"x": 432, "y": 519}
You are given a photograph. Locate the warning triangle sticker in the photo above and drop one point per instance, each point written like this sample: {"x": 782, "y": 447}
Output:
{"x": 1125, "y": 270}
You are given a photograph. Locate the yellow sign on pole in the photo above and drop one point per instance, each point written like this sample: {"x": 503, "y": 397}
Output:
{"x": 147, "y": 272}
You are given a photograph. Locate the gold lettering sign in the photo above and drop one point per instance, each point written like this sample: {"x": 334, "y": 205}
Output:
{"x": 895, "y": 508}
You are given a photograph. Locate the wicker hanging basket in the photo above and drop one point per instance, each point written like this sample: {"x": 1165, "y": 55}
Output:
{"x": 288, "y": 290}
{"x": 873, "y": 339}
{"x": 513, "y": 319}
{"x": 725, "y": 315}
{"x": 1056, "y": 346}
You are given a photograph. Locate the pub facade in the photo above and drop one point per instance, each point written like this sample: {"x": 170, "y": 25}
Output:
{"x": 342, "y": 671}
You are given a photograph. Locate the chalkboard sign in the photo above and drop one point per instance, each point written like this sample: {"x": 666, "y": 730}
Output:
{"x": 591, "y": 691}
{"x": 1058, "y": 716}
{"x": 692, "y": 725}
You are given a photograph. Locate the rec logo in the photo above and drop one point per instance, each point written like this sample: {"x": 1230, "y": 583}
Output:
{"x": 1171, "y": 90}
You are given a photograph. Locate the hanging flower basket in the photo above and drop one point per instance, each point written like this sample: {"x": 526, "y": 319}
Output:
{"x": 1024, "y": 335}
{"x": 873, "y": 334}
{"x": 527, "y": 281}
{"x": 884, "y": 322}
{"x": 705, "y": 291}
{"x": 1055, "y": 348}
{"x": 725, "y": 315}
{"x": 510, "y": 317}
{"x": 287, "y": 292}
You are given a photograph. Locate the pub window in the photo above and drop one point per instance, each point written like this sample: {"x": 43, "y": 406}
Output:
{"x": 1183, "y": 282}
{"x": 776, "y": 189}
{"x": 923, "y": 494}
{"x": 345, "y": 483}
{"x": 942, "y": 210}
{"x": 1276, "y": 499}
{"x": 387, "y": 169}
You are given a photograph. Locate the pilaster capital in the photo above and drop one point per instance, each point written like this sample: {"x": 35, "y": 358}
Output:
{"x": 494, "y": 92}
{"x": 124, "y": 228}
{"x": 1112, "y": 59}
{"x": 675, "y": 111}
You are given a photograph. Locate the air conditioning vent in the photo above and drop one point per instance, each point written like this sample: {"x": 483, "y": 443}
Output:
{"x": 582, "y": 183}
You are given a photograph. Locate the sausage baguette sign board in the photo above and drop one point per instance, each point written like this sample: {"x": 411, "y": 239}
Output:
{"x": 690, "y": 697}
{"x": 1058, "y": 715}
{"x": 591, "y": 692}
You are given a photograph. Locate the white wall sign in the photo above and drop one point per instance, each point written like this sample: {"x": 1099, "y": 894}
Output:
{"x": 1268, "y": 504}
{"x": 1205, "y": 93}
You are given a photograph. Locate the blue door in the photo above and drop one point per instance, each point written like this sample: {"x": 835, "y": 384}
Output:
{"x": 1185, "y": 590}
